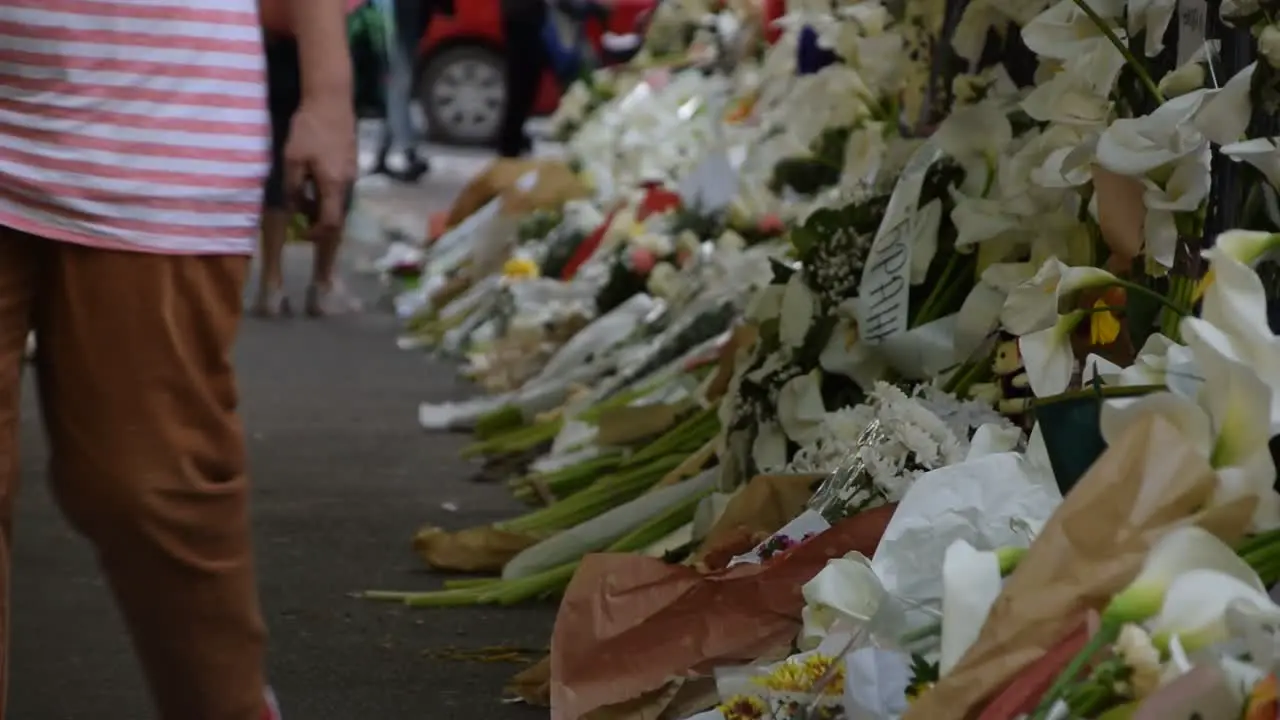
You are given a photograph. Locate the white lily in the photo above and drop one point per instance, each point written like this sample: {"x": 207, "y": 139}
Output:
{"x": 1233, "y": 320}
{"x": 799, "y": 305}
{"x": 1246, "y": 246}
{"x": 975, "y": 136}
{"x": 1048, "y": 357}
{"x": 1161, "y": 361}
{"x": 800, "y": 408}
{"x": 970, "y": 585}
{"x": 978, "y": 220}
{"x": 1064, "y": 32}
{"x": 1142, "y": 145}
{"x": 1228, "y": 423}
{"x": 846, "y": 355}
{"x": 970, "y": 36}
{"x": 845, "y": 589}
{"x": 979, "y": 316}
{"x": 766, "y": 304}
{"x": 769, "y": 448}
{"x": 1180, "y": 551}
{"x": 1099, "y": 368}
{"x": 1224, "y": 115}
{"x": 1196, "y": 605}
{"x": 1151, "y": 17}
{"x": 1033, "y": 305}
{"x": 1184, "y": 191}
{"x": 1262, "y": 153}
{"x": 864, "y": 155}
{"x": 1068, "y": 99}
{"x": 1069, "y": 166}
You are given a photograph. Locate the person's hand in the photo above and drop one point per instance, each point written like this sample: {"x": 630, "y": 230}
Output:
{"x": 320, "y": 157}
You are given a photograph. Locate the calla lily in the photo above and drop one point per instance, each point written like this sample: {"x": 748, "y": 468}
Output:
{"x": 1065, "y": 32}
{"x": 1100, "y": 368}
{"x": 1179, "y": 552}
{"x": 1048, "y": 357}
{"x": 1196, "y": 604}
{"x": 1068, "y": 99}
{"x": 970, "y": 36}
{"x": 970, "y": 585}
{"x": 1227, "y": 423}
{"x": 1262, "y": 153}
{"x": 1141, "y": 145}
{"x": 979, "y": 316}
{"x": 845, "y": 355}
{"x": 981, "y": 219}
{"x": 975, "y": 136}
{"x": 864, "y": 155}
{"x": 769, "y": 448}
{"x": 1187, "y": 187}
{"x": 1151, "y": 17}
{"x": 799, "y": 305}
{"x": 1246, "y": 246}
{"x": 800, "y": 408}
{"x": 1234, "y": 322}
{"x": 845, "y": 589}
{"x": 766, "y": 304}
{"x": 1161, "y": 361}
{"x": 1033, "y": 305}
{"x": 1224, "y": 115}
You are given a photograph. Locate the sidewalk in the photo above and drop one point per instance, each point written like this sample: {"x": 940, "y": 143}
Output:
{"x": 343, "y": 478}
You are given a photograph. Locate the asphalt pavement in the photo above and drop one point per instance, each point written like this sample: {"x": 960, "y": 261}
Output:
{"x": 343, "y": 477}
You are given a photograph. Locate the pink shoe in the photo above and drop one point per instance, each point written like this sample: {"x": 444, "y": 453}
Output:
{"x": 272, "y": 710}
{"x": 333, "y": 300}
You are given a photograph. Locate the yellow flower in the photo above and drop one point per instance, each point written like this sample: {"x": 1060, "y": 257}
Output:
{"x": 519, "y": 268}
{"x": 1104, "y": 328}
{"x": 743, "y": 707}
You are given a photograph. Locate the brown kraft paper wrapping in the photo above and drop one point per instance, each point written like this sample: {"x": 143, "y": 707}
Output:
{"x": 1150, "y": 482}
{"x": 629, "y": 624}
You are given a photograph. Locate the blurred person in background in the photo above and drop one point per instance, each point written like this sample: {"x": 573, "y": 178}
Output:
{"x": 523, "y": 22}
{"x": 406, "y": 23}
{"x": 130, "y": 197}
{"x": 283, "y": 210}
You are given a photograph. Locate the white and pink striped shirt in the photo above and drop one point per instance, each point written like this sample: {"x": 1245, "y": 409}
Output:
{"x": 134, "y": 124}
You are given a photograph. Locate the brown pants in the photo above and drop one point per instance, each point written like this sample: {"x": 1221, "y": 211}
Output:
{"x": 148, "y": 458}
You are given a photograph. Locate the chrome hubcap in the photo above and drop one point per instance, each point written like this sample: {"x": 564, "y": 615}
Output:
{"x": 468, "y": 96}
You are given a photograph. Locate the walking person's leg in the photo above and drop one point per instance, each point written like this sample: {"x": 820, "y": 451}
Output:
{"x": 405, "y": 22}
{"x": 18, "y": 283}
{"x": 283, "y": 97}
{"x": 526, "y": 63}
{"x": 148, "y": 460}
{"x": 325, "y": 295}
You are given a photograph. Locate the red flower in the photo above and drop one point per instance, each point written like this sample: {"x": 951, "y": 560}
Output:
{"x": 771, "y": 224}
{"x": 657, "y": 200}
{"x": 642, "y": 260}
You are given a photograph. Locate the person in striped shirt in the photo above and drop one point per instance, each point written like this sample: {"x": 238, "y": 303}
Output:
{"x": 133, "y": 149}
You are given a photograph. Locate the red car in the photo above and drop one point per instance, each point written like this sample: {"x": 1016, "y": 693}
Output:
{"x": 462, "y": 84}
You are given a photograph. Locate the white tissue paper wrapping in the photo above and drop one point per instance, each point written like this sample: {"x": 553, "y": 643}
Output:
{"x": 875, "y": 684}
{"x": 991, "y": 502}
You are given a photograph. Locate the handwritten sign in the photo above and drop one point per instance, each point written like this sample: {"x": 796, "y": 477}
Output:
{"x": 1192, "y": 18}
{"x": 883, "y": 297}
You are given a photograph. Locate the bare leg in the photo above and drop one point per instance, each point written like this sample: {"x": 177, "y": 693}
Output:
{"x": 271, "y": 299}
{"x": 326, "y": 295}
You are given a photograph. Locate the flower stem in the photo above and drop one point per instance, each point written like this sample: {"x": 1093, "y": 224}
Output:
{"x": 1105, "y": 635}
{"x": 1109, "y": 391}
{"x": 1138, "y": 68}
{"x": 1174, "y": 306}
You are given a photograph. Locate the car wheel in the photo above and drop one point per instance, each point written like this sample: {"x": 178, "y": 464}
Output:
{"x": 463, "y": 92}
